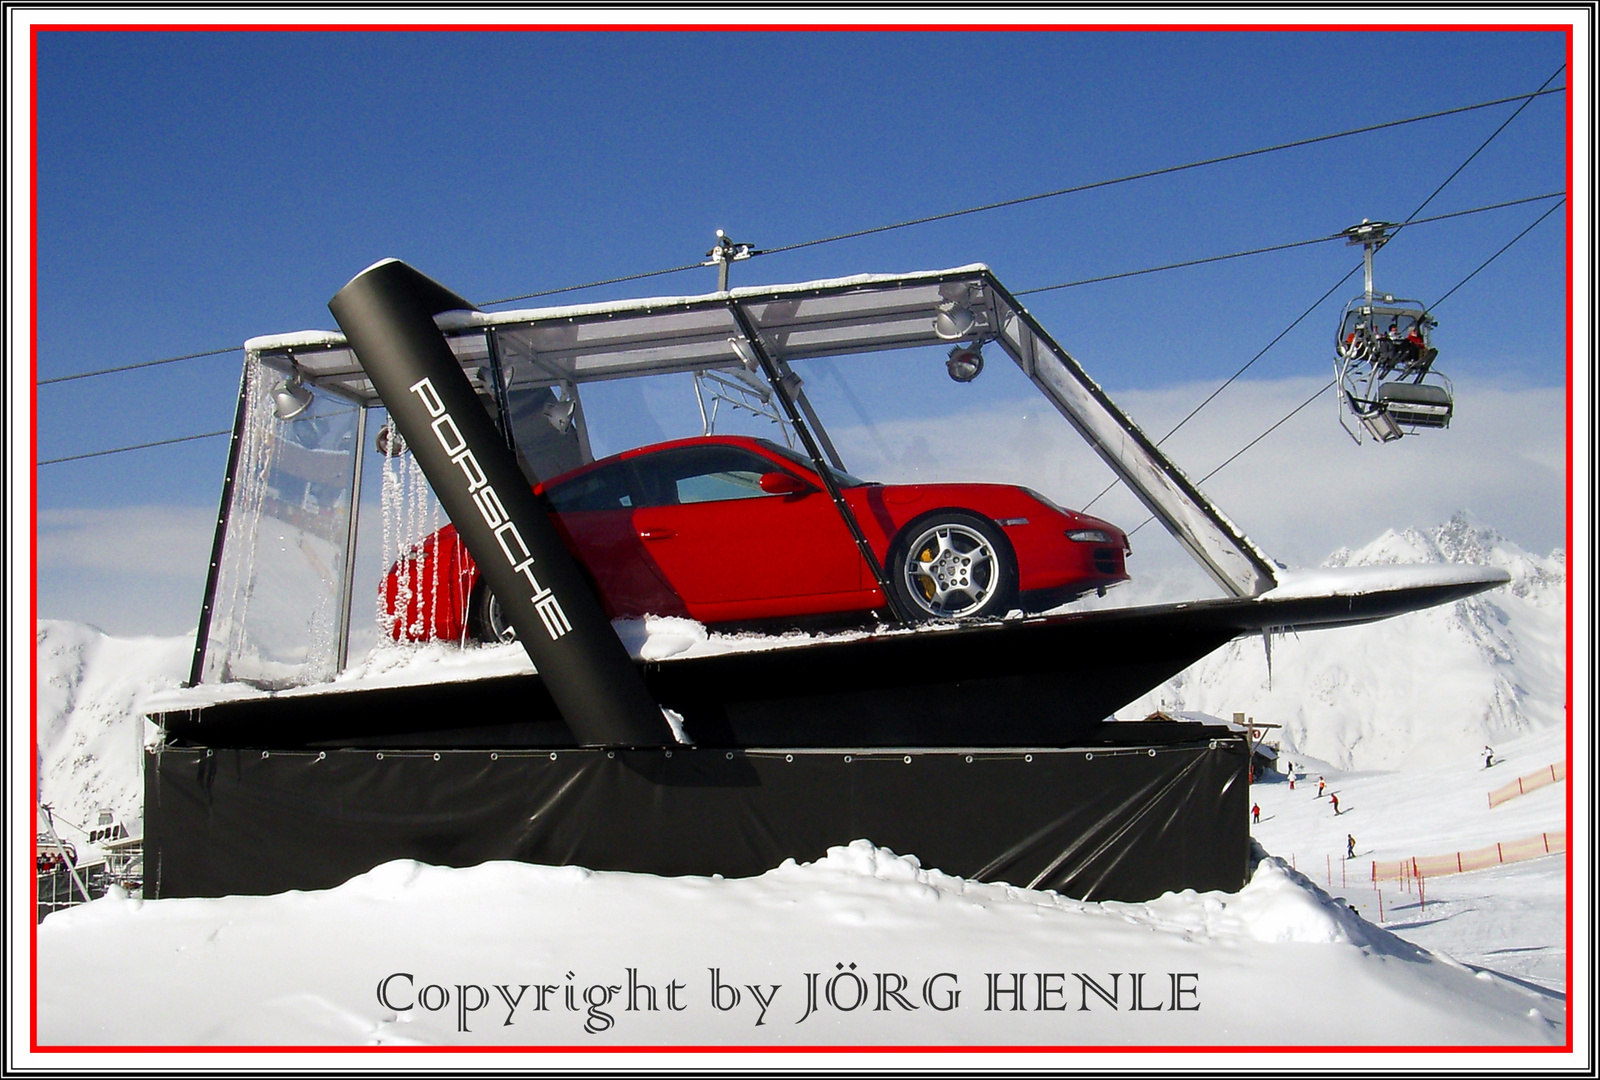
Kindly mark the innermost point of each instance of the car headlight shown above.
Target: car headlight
(1046, 500)
(1089, 536)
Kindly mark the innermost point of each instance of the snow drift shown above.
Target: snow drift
(861, 947)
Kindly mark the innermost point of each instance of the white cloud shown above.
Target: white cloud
(127, 570)
(159, 540)
(1302, 492)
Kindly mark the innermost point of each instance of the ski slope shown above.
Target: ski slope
(1511, 919)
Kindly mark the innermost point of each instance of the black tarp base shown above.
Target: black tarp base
(1124, 822)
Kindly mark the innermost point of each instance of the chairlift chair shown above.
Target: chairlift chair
(1385, 355)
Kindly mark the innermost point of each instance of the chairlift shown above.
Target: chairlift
(1385, 355)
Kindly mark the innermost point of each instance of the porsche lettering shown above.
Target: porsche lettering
(491, 509)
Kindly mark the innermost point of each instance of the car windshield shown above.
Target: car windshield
(840, 477)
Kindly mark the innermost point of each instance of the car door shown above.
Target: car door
(730, 549)
(595, 510)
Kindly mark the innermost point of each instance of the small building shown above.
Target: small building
(1263, 755)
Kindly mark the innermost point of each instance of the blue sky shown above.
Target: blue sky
(196, 189)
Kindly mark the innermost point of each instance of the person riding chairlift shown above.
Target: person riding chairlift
(1424, 353)
(1404, 349)
(1387, 354)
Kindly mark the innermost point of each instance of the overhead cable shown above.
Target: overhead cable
(1160, 172)
(1020, 200)
(140, 446)
(1525, 99)
(1501, 252)
(1274, 247)
(1019, 292)
(1515, 113)
(595, 284)
(1240, 452)
(135, 367)
(1291, 326)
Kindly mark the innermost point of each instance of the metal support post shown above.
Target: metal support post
(770, 369)
(197, 666)
(350, 539)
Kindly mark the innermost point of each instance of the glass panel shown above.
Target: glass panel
(275, 616)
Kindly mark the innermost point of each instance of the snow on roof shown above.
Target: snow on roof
(458, 320)
(298, 339)
(1362, 580)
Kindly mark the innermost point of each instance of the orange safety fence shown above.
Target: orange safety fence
(1459, 862)
(1532, 782)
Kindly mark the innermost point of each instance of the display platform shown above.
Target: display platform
(1044, 681)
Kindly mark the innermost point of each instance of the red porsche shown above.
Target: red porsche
(727, 528)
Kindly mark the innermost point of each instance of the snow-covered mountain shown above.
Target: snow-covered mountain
(1423, 688)
(89, 727)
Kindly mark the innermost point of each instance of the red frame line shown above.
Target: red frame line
(784, 28)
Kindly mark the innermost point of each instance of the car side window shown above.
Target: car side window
(601, 489)
(700, 474)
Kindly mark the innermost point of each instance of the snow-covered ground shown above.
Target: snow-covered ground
(860, 926)
(1510, 919)
(1280, 963)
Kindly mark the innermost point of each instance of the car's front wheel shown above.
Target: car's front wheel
(486, 619)
(953, 565)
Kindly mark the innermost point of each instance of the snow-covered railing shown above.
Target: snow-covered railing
(1459, 862)
(1532, 782)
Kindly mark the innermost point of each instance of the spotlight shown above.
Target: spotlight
(953, 321)
(390, 442)
(965, 363)
(292, 398)
(560, 413)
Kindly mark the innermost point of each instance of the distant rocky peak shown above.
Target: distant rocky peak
(1465, 539)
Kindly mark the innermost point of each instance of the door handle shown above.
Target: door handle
(656, 534)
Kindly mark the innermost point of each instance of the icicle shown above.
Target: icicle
(391, 499)
(413, 538)
(434, 562)
(410, 515)
(1266, 641)
(244, 518)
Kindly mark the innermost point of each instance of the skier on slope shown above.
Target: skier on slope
(1349, 845)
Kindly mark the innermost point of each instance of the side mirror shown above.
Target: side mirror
(782, 483)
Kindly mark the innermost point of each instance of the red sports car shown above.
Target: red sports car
(726, 528)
